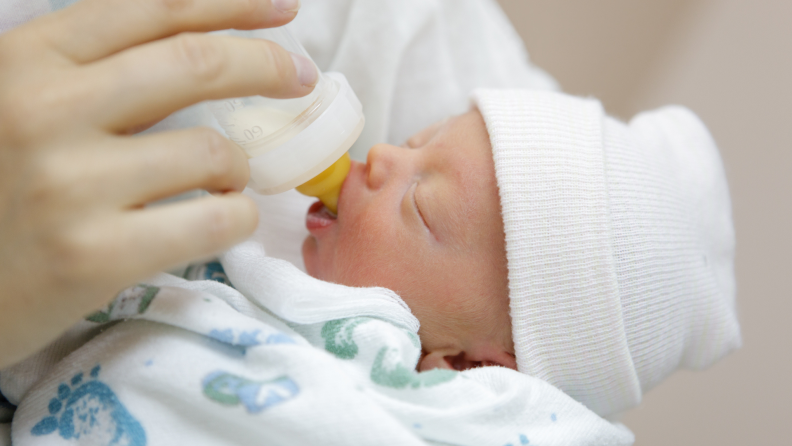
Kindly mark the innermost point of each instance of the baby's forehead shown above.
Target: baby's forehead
(463, 150)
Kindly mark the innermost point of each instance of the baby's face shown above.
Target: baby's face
(424, 221)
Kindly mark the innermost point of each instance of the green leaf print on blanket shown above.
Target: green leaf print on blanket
(130, 302)
(338, 337)
(388, 370)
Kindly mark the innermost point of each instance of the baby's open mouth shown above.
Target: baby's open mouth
(319, 217)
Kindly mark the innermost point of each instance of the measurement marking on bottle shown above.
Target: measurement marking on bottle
(253, 132)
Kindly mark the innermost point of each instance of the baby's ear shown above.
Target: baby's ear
(460, 360)
(440, 359)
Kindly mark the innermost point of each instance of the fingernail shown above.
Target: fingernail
(306, 70)
(286, 5)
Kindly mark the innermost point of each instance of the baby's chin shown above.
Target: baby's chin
(310, 256)
(317, 265)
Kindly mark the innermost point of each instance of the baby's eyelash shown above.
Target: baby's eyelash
(418, 208)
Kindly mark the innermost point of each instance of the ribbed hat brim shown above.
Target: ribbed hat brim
(566, 259)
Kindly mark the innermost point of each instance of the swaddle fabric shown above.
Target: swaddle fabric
(299, 361)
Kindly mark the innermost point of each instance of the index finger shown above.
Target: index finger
(92, 29)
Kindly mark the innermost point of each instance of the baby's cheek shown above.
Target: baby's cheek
(373, 262)
(363, 265)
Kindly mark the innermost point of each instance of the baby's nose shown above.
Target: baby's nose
(380, 163)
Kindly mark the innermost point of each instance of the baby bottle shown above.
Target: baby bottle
(295, 143)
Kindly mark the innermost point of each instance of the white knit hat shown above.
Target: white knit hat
(619, 241)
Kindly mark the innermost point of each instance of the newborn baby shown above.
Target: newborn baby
(616, 266)
(424, 220)
(587, 258)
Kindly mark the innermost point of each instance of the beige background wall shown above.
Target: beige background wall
(730, 61)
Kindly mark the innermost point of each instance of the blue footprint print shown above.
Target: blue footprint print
(90, 411)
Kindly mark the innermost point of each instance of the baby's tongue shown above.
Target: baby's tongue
(319, 216)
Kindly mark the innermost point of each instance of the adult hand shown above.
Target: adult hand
(74, 86)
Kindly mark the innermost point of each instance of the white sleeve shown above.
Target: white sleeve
(415, 62)
(16, 12)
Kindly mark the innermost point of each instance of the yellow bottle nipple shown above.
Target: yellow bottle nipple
(327, 185)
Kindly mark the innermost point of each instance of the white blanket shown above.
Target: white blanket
(291, 360)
